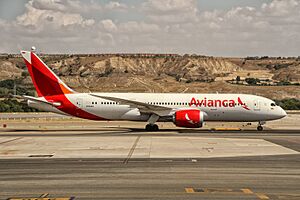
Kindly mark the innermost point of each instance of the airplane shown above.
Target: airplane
(184, 110)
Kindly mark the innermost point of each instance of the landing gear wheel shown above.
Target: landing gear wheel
(151, 127)
(148, 127)
(260, 128)
(155, 127)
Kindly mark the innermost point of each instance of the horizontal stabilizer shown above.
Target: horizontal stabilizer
(37, 100)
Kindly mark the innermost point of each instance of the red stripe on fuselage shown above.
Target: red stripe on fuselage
(69, 108)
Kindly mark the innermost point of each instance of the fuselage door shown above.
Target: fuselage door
(79, 103)
(256, 105)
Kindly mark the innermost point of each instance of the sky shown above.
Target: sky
(236, 28)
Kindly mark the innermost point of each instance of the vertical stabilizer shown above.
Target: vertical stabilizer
(44, 80)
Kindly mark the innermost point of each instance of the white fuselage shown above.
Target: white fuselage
(216, 107)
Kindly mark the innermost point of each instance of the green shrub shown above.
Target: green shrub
(281, 83)
(252, 81)
(289, 104)
(12, 105)
(7, 87)
(9, 84)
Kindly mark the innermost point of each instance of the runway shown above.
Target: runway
(64, 160)
(272, 177)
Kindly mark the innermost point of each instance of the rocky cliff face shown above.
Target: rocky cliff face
(9, 69)
(115, 73)
(290, 73)
(186, 69)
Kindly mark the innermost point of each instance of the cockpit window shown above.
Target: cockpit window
(273, 104)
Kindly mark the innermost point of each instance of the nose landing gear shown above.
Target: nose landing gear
(260, 127)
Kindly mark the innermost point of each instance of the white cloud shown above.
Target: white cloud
(169, 6)
(109, 25)
(65, 5)
(281, 8)
(56, 5)
(35, 18)
(114, 5)
(155, 26)
(138, 27)
(171, 11)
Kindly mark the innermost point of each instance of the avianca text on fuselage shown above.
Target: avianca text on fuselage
(216, 103)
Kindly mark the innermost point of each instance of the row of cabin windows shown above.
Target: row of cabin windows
(154, 103)
(168, 103)
(107, 103)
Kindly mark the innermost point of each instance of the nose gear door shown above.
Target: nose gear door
(79, 103)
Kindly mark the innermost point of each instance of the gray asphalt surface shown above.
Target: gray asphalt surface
(257, 177)
(273, 177)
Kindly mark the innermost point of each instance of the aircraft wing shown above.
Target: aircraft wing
(143, 107)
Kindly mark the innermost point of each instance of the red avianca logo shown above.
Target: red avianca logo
(217, 103)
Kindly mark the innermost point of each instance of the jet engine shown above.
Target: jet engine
(188, 118)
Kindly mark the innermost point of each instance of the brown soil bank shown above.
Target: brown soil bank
(164, 73)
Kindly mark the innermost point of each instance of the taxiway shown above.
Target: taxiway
(68, 158)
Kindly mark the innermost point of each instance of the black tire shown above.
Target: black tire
(155, 127)
(148, 127)
(260, 128)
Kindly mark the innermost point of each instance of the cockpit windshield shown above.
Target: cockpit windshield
(273, 104)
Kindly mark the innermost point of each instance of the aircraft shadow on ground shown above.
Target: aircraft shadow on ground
(130, 130)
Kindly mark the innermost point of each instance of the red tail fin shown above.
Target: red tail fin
(44, 80)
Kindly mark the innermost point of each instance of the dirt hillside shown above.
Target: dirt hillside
(163, 73)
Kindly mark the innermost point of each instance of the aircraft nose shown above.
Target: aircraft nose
(282, 113)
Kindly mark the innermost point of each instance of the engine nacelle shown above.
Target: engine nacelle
(188, 118)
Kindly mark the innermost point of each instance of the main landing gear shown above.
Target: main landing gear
(152, 126)
(260, 127)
